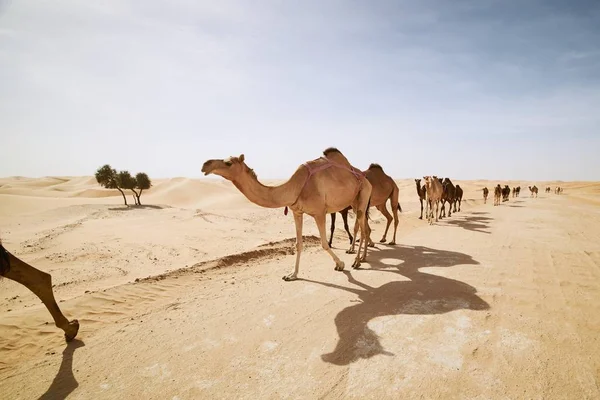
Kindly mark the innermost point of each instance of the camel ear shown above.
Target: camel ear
(241, 158)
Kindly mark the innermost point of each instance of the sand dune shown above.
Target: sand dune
(183, 298)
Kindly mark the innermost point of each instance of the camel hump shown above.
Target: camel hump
(375, 166)
(335, 155)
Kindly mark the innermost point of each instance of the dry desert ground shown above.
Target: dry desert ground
(183, 298)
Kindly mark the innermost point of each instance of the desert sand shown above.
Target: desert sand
(183, 298)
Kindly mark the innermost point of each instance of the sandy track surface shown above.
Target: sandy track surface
(495, 302)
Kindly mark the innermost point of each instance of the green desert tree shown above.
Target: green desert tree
(107, 177)
(127, 182)
(142, 182)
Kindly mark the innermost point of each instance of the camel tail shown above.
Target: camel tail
(399, 207)
(368, 206)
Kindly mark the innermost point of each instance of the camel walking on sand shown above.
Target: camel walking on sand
(485, 194)
(422, 192)
(448, 195)
(497, 195)
(325, 185)
(518, 190)
(459, 195)
(434, 192)
(40, 283)
(384, 189)
(533, 190)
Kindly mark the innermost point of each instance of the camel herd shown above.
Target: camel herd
(326, 185)
(438, 191)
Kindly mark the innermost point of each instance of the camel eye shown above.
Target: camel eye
(228, 163)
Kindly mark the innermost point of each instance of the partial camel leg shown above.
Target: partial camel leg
(345, 219)
(421, 200)
(40, 283)
(383, 209)
(298, 220)
(396, 221)
(320, 220)
(332, 228)
(437, 212)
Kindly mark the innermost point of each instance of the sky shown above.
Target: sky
(470, 89)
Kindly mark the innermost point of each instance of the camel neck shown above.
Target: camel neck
(269, 196)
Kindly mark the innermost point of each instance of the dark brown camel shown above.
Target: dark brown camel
(485, 194)
(422, 192)
(518, 190)
(459, 195)
(505, 193)
(384, 189)
(448, 195)
(40, 283)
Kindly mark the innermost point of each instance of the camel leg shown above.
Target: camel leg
(383, 209)
(443, 209)
(332, 228)
(298, 220)
(40, 283)
(356, 227)
(421, 200)
(345, 219)
(459, 202)
(437, 212)
(396, 221)
(320, 220)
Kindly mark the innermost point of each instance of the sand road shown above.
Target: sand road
(495, 302)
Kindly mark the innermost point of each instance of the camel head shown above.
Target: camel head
(229, 168)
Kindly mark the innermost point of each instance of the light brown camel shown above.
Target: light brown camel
(533, 190)
(324, 185)
(434, 195)
(422, 192)
(40, 283)
(497, 195)
(485, 194)
(384, 189)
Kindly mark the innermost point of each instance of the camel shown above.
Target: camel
(384, 188)
(327, 184)
(533, 190)
(448, 195)
(434, 191)
(459, 195)
(485, 194)
(548, 189)
(422, 192)
(497, 194)
(40, 283)
(558, 190)
(505, 193)
(518, 190)
(514, 192)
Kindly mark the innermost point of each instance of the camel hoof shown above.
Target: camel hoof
(290, 277)
(340, 266)
(420, 217)
(72, 330)
(350, 251)
(382, 240)
(356, 264)
(392, 243)
(372, 245)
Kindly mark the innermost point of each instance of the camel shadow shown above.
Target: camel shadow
(477, 223)
(64, 382)
(424, 294)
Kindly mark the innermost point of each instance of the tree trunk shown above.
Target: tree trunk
(136, 197)
(123, 194)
